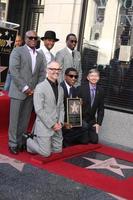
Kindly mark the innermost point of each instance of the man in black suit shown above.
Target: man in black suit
(71, 135)
(93, 104)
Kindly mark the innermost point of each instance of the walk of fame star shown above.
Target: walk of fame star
(109, 164)
(9, 42)
(13, 162)
(75, 107)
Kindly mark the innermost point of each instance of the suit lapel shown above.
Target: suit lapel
(65, 89)
(28, 57)
(37, 61)
(69, 56)
(50, 91)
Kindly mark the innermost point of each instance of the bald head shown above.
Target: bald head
(31, 39)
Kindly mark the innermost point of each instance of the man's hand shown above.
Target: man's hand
(28, 92)
(57, 127)
(67, 125)
(97, 126)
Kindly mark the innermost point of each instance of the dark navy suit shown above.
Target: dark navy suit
(74, 135)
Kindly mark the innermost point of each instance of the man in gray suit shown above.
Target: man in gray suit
(27, 69)
(70, 57)
(49, 108)
(49, 40)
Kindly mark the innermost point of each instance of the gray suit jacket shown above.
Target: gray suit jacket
(47, 111)
(65, 60)
(44, 57)
(20, 66)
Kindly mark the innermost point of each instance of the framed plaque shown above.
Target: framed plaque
(74, 112)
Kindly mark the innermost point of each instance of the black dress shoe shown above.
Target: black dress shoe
(13, 150)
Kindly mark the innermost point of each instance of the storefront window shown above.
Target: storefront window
(107, 45)
(3, 9)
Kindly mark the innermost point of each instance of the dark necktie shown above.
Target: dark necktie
(92, 95)
(73, 54)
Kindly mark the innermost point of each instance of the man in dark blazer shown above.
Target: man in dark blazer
(27, 69)
(93, 104)
(71, 135)
(70, 57)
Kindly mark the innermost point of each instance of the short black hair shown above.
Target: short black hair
(94, 70)
(70, 34)
(70, 69)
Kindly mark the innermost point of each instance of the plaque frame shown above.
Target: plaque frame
(74, 112)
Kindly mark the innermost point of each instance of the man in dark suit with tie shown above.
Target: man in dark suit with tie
(70, 57)
(93, 104)
(71, 135)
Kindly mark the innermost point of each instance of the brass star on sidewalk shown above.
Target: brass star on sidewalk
(13, 162)
(110, 164)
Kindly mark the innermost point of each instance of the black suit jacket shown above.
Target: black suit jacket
(95, 113)
(66, 95)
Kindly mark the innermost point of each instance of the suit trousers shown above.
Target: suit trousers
(92, 135)
(73, 136)
(20, 112)
(45, 145)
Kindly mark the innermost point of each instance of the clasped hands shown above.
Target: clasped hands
(57, 127)
(29, 92)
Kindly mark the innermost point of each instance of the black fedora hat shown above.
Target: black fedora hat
(50, 35)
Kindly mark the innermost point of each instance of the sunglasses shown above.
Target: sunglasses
(31, 38)
(73, 76)
(73, 41)
(54, 69)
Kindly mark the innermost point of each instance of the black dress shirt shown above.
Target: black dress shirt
(54, 86)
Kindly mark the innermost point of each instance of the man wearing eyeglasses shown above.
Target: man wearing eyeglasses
(92, 96)
(27, 69)
(70, 57)
(49, 108)
(71, 135)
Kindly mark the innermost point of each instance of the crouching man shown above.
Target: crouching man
(49, 108)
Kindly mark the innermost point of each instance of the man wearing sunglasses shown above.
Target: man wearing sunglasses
(27, 69)
(70, 57)
(49, 108)
(71, 135)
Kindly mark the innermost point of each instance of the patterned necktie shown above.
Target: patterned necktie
(92, 95)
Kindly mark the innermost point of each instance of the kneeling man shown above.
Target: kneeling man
(49, 108)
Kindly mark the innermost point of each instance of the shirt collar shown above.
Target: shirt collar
(70, 51)
(45, 50)
(92, 86)
(30, 49)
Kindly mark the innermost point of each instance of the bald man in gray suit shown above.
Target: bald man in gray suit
(27, 69)
(49, 108)
(69, 57)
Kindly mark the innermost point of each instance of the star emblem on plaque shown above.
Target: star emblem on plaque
(7, 39)
(74, 112)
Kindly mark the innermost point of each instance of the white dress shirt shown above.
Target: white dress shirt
(46, 53)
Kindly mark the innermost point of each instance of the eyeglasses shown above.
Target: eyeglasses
(55, 69)
(31, 38)
(73, 76)
(73, 41)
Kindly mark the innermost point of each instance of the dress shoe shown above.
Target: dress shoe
(13, 150)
